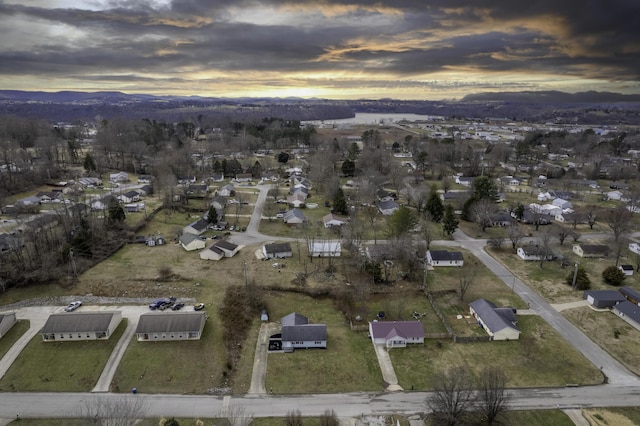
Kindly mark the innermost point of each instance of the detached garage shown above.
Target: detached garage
(7, 320)
(73, 326)
(162, 326)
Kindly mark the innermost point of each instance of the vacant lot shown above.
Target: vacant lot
(540, 358)
(183, 367)
(60, 366)
(610, 332)
(623, 416)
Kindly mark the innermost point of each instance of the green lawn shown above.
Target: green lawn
(348, 364)
(540, 358)
(183, 367)
(60, 366)
(7, 341)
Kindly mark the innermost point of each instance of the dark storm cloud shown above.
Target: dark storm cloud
(407, 38)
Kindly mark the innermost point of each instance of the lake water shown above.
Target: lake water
(377, 118)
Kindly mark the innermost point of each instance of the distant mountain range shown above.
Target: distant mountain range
(601, 108)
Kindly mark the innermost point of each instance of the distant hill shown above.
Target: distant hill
(552, 97)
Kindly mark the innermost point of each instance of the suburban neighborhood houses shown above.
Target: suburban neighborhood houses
(325, 267)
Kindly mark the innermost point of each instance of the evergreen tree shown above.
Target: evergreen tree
(402, 221)
(613, 276)
(348, 168)
(89, 163)
(212, 215)
(484, 187)
(340, 202)
(434, 206)
(115, 212)
(582, 279)
(449, 220)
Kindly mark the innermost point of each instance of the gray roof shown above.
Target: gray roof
(78, 322)
(444, 255)
(294, 318)
(277, 248)
(387, 205)
(167, 322)
(390, 329)
(605, 295)
(630, 293)
(226, 245)
(293, 213)
(199, 225)
(494, 318)
(594, 248)
(630, 310)
(188, 238)
(305, 332)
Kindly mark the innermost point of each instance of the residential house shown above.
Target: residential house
(277, 250)
(227, 247)
(196, 228)
(333, 220)
(219, 202)
(562, 203)
(463, 180)
(216, 177)
(499, 323)
(396, 334)
(444, 258)
(500, 219)
(129, 197)
(629, 312)
(531, 217)
(7, 320)
(134, 207)
(211, 253)
(383, 195)
(603, 298)
(630, 294)
(191, 242)
(227, 191)
(172, 325)
(198, 190)
(387, 208)
(591, 250)
(145, 190)
(534, 252)
(297, 200)
(294, 217)
(69, 326)
(380, 252)
(49, 197)
(635, 248)
(325, 248)
(626, 269)
(618, 185)
(614, 195)
(145, 178)
(577, 218)
(297, 333)
(119, 177)
(244, 177)
(186, 180)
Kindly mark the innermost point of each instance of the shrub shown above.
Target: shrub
(582, 279)
(613, 276)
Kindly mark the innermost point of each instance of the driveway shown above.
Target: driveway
(386, 367)
(260, 359)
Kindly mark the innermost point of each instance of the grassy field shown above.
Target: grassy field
(540, 358)
(602, 327)
(348, 364)
(60, 366)
(620, 416)
(7, 341)
(183, 367)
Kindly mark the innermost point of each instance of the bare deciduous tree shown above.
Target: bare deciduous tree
(466, 278)
(492, 398)
(619, 220)
(293, 418)
(453, 396)
(237, 416)
(515, 234)
(122, 410)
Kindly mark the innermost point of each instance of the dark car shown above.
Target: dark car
(177, 306)
(157, 304)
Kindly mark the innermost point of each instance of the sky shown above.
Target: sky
(338, 49)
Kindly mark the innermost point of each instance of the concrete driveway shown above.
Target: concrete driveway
(260, 359)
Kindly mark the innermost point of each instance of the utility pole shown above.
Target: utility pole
(72, 265)
(244, 268)
(575, 276)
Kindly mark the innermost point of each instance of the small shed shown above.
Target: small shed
(74, 326)
(626, 269)
(172, 325)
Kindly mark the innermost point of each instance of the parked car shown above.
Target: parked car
(231, 228)
(73, 306)
(279, 215)
(177, 306)
(198, 306)
(157, 304)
